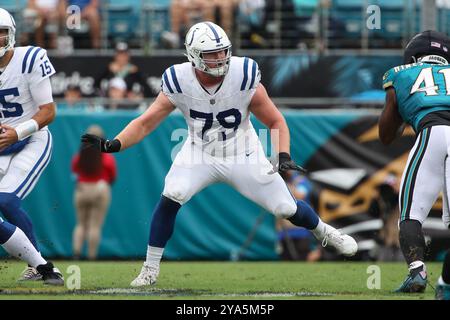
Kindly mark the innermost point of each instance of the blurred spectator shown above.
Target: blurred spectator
(72, 98)
(252, 12)
(89, 13)
(43, 17)
(385, 207)
(297, 243)
(95, 172)
(182, 14)
(117, 93)
(307, 20)
(225, 8)
(119, 97)
(251, 18)
(121, 67)
(185, 13)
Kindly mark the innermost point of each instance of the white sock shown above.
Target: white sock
(154, 255)
(320, 231)
(20, 246)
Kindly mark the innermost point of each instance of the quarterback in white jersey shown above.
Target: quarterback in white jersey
(216, 94)
(26, 108)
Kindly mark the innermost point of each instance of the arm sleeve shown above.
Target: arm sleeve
(170, 85)
(257, 74)
(251, 76)
(389, 79)
(42, 92)
(39, 67)
(39, 70)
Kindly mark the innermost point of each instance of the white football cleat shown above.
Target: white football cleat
(343, 243)
(147, 277)
(30, 274)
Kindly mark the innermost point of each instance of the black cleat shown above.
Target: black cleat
(50, 274)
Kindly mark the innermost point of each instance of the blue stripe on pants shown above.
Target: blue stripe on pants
(24, 194)
(36, 166)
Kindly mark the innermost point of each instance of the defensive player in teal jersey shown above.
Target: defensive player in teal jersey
(418, 94)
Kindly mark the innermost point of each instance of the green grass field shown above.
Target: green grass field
(218, 280)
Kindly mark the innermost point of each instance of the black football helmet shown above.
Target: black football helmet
(427, 43)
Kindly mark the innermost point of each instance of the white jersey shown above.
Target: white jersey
(28, 66)
(218, 122)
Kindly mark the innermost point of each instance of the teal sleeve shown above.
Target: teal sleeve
(389, 79)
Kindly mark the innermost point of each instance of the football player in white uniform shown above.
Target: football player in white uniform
(26, 108)
(216, 94)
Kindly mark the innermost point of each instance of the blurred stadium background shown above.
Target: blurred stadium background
(321, 64)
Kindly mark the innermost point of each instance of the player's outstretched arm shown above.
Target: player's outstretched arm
(137, 129)
(143, 125)
(390, 123)
(266, 112)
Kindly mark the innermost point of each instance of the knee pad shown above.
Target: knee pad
(285, 210)
(177, 191)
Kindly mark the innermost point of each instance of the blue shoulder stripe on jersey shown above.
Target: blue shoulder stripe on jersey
(175, 80)
(30, 68)
(214, 31)
(253, 74)
(166, 81)
(244, 82)
(24, 62)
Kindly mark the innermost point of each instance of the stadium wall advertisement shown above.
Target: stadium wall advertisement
(283, 76)
(345, 159)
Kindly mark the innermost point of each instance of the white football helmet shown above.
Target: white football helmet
(207, 37)
(7, 22)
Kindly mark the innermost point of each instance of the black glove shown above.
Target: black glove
(285, 163)
(102, 144)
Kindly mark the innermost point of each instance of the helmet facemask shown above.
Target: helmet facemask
(216, 67)
(213, 67)
(8, 40)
